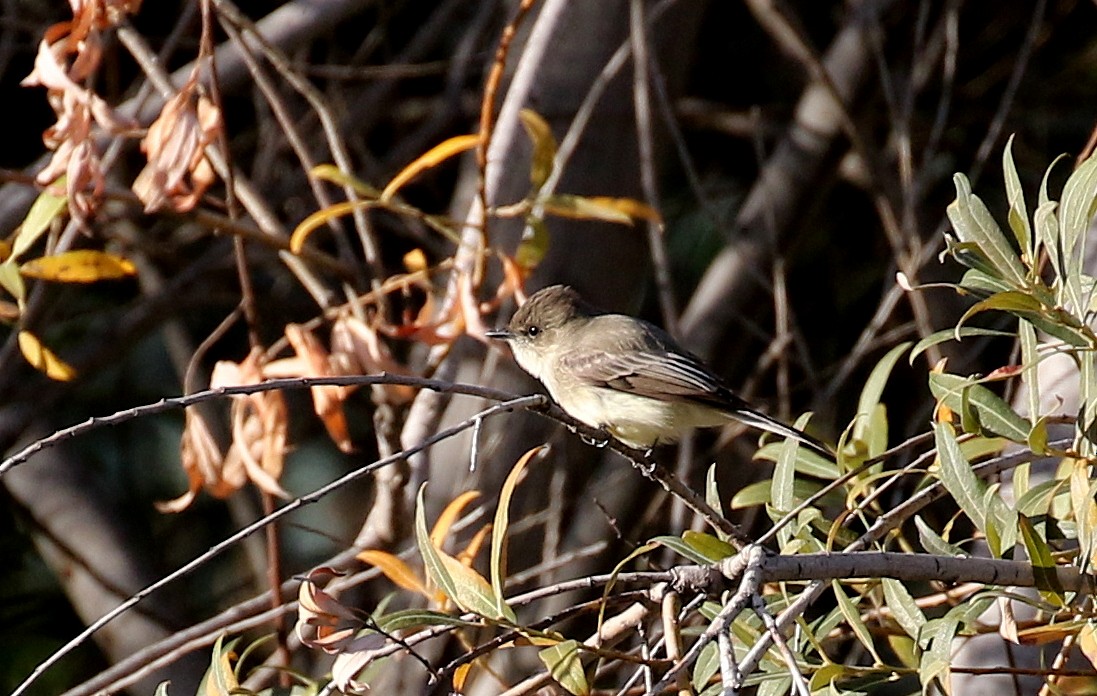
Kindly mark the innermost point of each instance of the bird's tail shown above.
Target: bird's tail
(757, 419)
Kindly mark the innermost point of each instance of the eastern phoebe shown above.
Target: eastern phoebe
(623, 374)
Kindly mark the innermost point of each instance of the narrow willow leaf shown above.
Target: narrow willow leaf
(563, 663)
(79, 266)
(432, 561)
(957, 477)
(943, 335)
(980, 284)
(501, 525)
(42, 213)
(758, 493)
(973, 223)
(712, 549)
(1037, 500)
(937, 659)
(449, 515)
(428, 160)
(43, 359)
(335, 175)
(1018, 213)
(220, 680)
(418, 618)
(1030, 358)
(395, 569)
(583, 208)
(679, 546)
(853, 617)
(933, 542)
(993, 413)
(1043, 562)
(544, 147)
(1075, 212)
(706, 666)
(873, 391)
(903, 609)
(12, 281)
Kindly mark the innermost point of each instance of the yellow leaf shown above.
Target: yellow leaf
(42, 213)
(619, 210)
(431, 158)
(320, 217)
(415, 261)
(449, 516)
(544, 147)
(80, 266)
(460, 676)
(335, 175)
(396, 570)
(43, 359)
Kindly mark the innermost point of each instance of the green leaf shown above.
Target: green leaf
(1075, 212)
(1030, 359)
(681, 547)
(933, 542)
(808, 462)
(957, 477)
(992, 412)
(853, 618)
(758, 493)
(417, 618)
(973, 223)
(1018, 214)
(873, 391)
(12, 281)
(1043, 562)
(957, 334)
(937, 659)
(42, 213)
(903, 609)
(706, 666)
(563, 663)
(981, 284)
(712, 549)
(500, 527)
(463, 585)
(1036, 501)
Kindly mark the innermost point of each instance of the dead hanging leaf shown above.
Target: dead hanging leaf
(368, 354)
(544, 147)
(428, 160)
(607, 209)
(201, 458)
(43, 359)
(80, 266)
(312, 360)
(322, 622)
(69, 53)
(178, 171)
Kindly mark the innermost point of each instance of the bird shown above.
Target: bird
(625, 375)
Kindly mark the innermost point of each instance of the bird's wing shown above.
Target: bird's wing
(664, 375)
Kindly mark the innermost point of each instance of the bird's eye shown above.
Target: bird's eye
(533, 331)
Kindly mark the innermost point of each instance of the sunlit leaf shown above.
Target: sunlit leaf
(994, 415)
(933, 542)
(79, 266)
(395, 569)
(563, 663)
(873, 392)
(853, 619)
(418, 618)
(428, 160)
(1043, 562)
(332, 173)
(320, 218)
(903, 609)
(973, 223)
(711, 548)
(533, 246)
(449, 515)
(501, 525)
(1018, 213)
(43, 359)
(619, 210)
(544, 147)
(220, 680)
(460, 676)
(43, 211)
(1075, 212)
(12, 281)
(943, 335)
(1087, 642)
(956, 475)
(706, 667)
(937, 659)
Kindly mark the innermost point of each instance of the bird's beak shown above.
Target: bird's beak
(500, 334)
